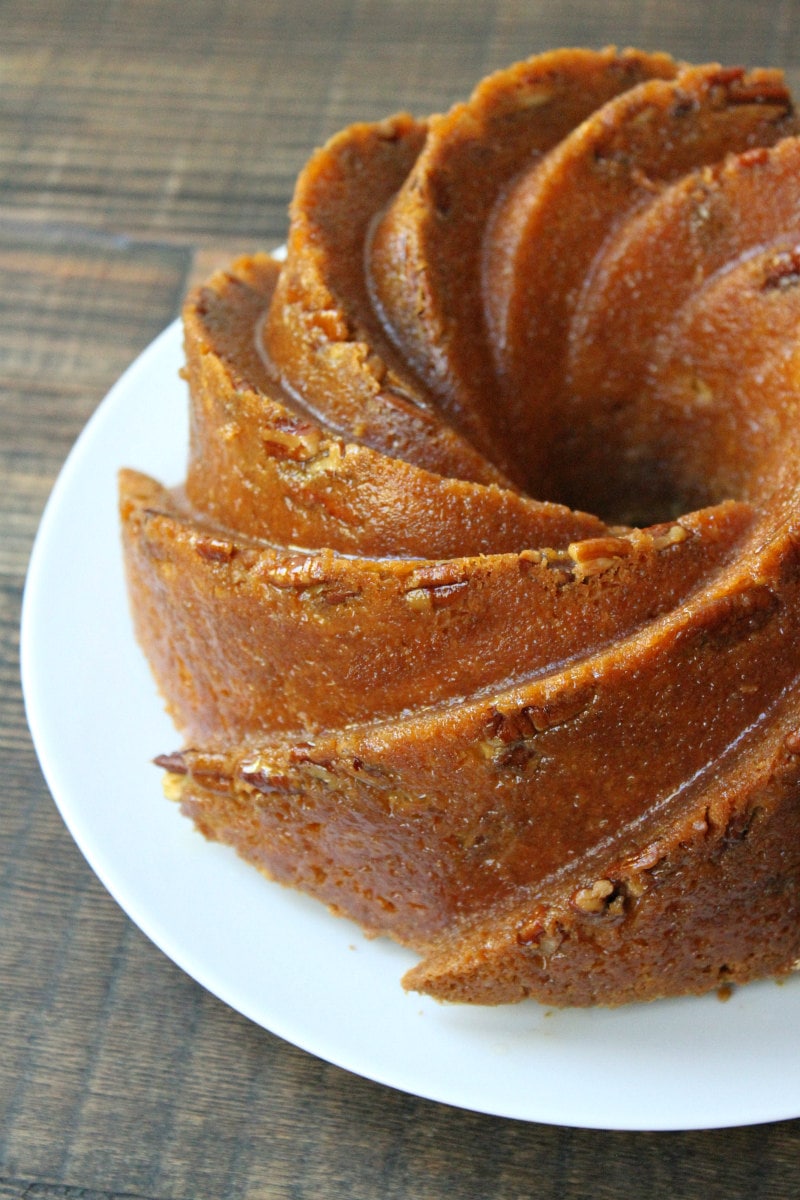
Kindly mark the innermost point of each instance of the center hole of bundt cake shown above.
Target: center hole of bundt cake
(706, 412)
(630, 468)
(687, 447)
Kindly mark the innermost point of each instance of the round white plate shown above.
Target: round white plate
(278, 957)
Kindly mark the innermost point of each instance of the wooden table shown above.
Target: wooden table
(141, 143)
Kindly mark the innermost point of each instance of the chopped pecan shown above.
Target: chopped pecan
(435, 586)
(214, 549)
(206, 769)
(594, 556)
(595, 898)
(783, 272)
(531, 719)
(257, 774)
(175, 763)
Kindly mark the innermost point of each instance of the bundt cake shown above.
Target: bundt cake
(479, 610)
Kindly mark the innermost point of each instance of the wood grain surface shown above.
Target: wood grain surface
(141, 143)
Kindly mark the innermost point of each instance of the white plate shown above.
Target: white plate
(278, 957)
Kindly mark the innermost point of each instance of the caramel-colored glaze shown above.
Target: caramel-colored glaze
(550, 739)
(471, 159)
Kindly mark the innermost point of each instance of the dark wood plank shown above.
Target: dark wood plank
(140, 145)
(75, 309)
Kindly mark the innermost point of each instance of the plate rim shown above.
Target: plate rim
(147, 363)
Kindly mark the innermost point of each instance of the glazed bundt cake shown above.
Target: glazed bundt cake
(478, 611)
